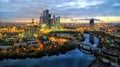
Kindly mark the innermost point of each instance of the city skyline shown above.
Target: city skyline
(19, 10)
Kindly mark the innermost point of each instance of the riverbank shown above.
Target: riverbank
(37, 53)
(72, 58)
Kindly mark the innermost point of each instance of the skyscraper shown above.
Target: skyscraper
(49, 21)
(91, 22)
(46, 20)
(54, 20)
(31, 29)
(41, 19)
(58, 21)
(92, 28)
(46, 16)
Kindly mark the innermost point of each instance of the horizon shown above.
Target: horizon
(107, 19)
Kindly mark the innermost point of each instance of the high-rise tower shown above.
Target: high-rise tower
(54, 20)
(91, 22)
(46, 16)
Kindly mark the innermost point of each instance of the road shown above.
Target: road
(40, 43)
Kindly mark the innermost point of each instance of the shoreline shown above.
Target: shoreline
(37, 54)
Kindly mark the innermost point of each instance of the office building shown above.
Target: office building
(46, 16)
(30, 29)
(54, 20)
(58, 22)
(41, 21)
(91, 22)
(48, 21)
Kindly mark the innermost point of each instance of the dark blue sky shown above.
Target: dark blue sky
(27, 9)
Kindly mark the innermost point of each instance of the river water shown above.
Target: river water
(73, 58)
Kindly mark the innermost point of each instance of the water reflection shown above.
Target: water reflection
(87, 37)
(73, 58)
(87, 40)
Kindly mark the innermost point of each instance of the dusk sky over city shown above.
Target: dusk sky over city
(27, 9)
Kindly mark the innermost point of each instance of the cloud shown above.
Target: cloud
(116, 4)
(20, 9)
(80, 3)
(4, 0)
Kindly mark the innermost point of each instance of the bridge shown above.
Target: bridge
(90, 48)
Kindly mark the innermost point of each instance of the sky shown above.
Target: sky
(13, 10)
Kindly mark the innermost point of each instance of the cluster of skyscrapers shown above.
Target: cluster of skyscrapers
(46, 20)
(49, 20)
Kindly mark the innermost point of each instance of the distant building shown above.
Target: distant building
(46, 16)
(54, 20)
(41, 19)
(0, 21)
(20, 44)
(31, 29)
(32, 44)
(91, 22)
(5, 47)
(48, 21)
(58, 21)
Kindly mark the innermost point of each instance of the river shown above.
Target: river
(73, 58)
